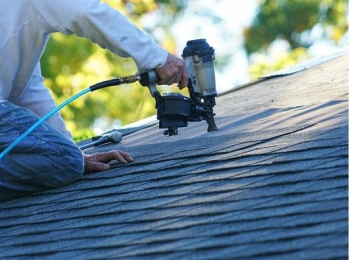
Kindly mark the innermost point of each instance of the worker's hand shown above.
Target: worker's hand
(99, 161)
(173, 71)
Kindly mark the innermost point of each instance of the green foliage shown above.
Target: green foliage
(83, 134)
(291, 21)
(263, 64)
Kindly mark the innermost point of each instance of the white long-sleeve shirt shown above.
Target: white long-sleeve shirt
(25, 26)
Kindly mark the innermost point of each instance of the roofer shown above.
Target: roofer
(48, 158)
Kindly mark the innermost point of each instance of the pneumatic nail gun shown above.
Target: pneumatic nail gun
(176, 110)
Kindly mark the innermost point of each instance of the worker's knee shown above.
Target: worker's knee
(69, 167)
(46, 166)
(44, 159)
(63, 167)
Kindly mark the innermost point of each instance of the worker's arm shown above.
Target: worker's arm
(104, 26)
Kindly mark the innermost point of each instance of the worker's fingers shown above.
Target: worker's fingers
(92, 166)
(184, 79)
(173, 71)
(98, 161)
(118, 155)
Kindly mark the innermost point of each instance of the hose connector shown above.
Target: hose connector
(129, 79)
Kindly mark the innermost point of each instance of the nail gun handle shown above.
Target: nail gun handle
(149, 78)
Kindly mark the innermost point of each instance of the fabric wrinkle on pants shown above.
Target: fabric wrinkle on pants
(43, 160)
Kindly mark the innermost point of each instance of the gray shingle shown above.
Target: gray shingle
(272, 183)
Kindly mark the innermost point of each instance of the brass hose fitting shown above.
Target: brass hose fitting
(129, 79)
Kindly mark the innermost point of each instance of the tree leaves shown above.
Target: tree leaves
(294, 22)
(288, 19)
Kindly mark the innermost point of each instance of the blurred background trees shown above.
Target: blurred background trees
(71, 64)
(297, 25)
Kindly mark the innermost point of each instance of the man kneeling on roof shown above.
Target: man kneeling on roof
(48, 158)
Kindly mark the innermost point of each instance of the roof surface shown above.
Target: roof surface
(271, 183)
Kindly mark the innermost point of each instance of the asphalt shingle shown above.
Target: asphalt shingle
(272, 183)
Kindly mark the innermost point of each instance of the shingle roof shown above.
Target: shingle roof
(271, 183)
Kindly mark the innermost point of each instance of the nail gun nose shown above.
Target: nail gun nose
(114, 137)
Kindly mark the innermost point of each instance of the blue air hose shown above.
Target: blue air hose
(108, 83)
